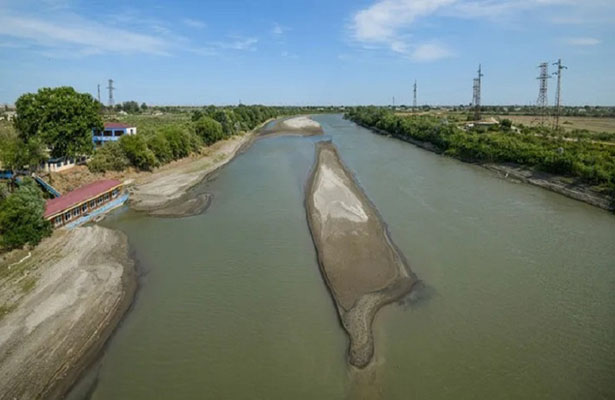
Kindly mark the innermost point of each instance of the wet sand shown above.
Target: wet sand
(299, 126)
(361, 265)
(65, 300)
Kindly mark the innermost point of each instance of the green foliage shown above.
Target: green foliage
(136, 150)
(590, 162)
(160, 146)
(17, 155)
(131, 107)
(21, 217)
(209, 130)
(110, 157)
(60, 118)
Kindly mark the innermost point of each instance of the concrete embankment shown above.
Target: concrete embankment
(361, 265)
(64, 302)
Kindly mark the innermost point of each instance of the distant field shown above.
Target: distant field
(568, 123)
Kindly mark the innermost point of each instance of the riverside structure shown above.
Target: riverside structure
(85, 203)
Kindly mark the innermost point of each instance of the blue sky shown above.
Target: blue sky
(308, 52)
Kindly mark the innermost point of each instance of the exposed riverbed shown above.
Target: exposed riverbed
(519, 299)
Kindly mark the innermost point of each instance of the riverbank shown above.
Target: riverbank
(62, 303)
(361, 265)
(164, 192)
(517, 173)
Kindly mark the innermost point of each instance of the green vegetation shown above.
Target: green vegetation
(21, 217)
(170, 133)
(60, 118)
(587, 161)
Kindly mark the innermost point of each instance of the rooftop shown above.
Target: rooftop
(79, 195)
(117, 125)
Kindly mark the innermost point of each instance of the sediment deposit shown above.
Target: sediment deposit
(361, 265)
(302, 125)
(64, 302)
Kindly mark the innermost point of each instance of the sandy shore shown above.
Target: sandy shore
(362, 267)
(302, 125)
(164, 192)
(64, 302)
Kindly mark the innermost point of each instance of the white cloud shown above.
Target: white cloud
(583, 41)
(239, 43)
(278, 29)
(382, 21)
(85, 36)
(393, 24)
(430, 52)
(194, 23)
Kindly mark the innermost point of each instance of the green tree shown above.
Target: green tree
(131, 107)
(17, 155)
(110, 157)
(21, 217)
(209, 130)
(60, 118)
(136, 150)
(143, 106)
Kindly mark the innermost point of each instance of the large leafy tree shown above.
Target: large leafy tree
(21, 217)
(16, 154)
(60, 118)
(209, 130)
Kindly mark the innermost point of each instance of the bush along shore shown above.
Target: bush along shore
(578, 168)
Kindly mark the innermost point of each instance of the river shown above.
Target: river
(518, 298)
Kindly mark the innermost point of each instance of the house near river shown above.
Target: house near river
(85, 203)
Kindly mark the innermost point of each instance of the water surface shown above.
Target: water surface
(519, 299)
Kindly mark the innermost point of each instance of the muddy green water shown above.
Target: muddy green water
(519, 300)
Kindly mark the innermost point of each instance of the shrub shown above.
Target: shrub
(209, 130)
(110, 157)
(21, 217)
(161, 148)
(136, 150)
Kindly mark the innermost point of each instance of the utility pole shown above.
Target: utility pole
(558, 92)
(476, 96)
(99, 93)
(111, 88)
(393, 101)
(543, 99)
(414, 96)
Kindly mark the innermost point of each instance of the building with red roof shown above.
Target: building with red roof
(83, 202)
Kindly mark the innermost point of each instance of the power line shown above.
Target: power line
(98, 92)
(111, 88)
(543, 98)
(476, 94)
(558, 92)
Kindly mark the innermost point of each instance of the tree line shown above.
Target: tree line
(587, 161)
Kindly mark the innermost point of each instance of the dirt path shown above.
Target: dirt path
(362, 267)
(64, 302)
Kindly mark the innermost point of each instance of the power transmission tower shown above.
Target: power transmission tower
(543, 99)
(558, 91)
(99, 93)
(111, 88)
(476, 96)
(414, 98)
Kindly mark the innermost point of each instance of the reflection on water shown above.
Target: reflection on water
(518, 298)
